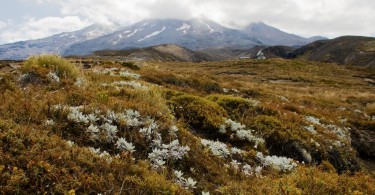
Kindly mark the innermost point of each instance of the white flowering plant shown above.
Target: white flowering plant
(238, 130)
(278, 163)
(187, 183)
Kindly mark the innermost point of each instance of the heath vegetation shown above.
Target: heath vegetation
(232, 127)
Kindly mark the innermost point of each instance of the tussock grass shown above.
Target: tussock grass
(62, 67)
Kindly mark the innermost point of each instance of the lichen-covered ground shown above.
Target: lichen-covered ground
(232, 127)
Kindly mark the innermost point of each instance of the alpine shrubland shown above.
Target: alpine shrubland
(232, 127)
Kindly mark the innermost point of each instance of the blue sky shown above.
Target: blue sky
(32, 19)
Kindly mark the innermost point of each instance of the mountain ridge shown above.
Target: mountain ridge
(193, 34)
(52, 44)
(345, 50)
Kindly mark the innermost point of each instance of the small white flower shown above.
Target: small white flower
(159, 162)
(129, 74)
(92, 129)
(70, 143)
(313, 120)
(247, 170)
(276, 162)
(76, 116)
(217, 148)
(122, 144)
(178, 174)
(49, 122)
(53, 76)
(111, 115)
(234, 126)
(222, 129)
(190, 183)
(95, 150)
(111, 131)
(106, 156)
(132, 84)
(78, 82)
(205, 193)
(310, 129)
(235, 164)
(258, 171)
(237, 151)
(92, 118)
(173, 130)
(283, 98)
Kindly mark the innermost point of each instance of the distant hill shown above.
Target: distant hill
(166, 52)
(347, 50)
(239, 53)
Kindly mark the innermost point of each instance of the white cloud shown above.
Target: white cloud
(303, 17)
(3, 25)
(39, 28)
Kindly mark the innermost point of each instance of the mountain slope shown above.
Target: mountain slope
(351, 50)
(54, 44)
(272, 36)
(165, 52)
(193, 34)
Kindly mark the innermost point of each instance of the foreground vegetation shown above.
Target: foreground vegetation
(232, 127)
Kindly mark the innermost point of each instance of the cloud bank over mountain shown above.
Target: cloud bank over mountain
(30, 19)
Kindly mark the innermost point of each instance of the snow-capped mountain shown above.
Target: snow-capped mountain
(53, 44)
(194, 34)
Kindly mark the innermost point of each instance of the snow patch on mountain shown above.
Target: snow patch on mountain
(119, 37)
(184, 28)
(208, 26)
(63, 35)
(134, 32)
(152, 34)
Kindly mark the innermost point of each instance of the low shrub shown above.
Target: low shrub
(235, 106)
(130, 65)
(198, 112)
(51, 63)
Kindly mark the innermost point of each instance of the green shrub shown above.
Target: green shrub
(7, 82)
(130, 65)
(235, 106)
(168, 94)
(265, 125)
(200, 113)
(62, 67)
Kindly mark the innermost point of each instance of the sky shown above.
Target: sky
(33, 19)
